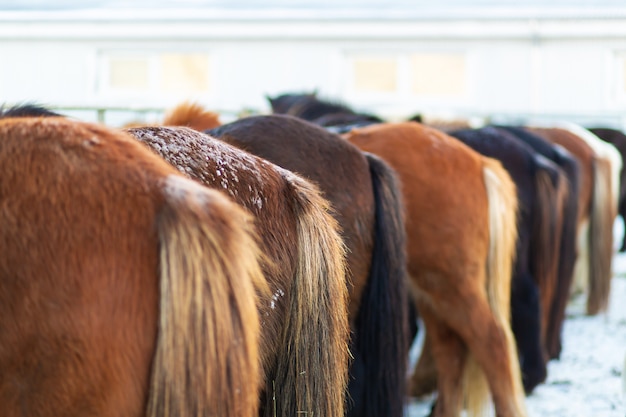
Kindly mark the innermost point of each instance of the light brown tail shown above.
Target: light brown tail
(313, 364)
(502, 197)
(191, 115)
(206, 360)
(600, 238)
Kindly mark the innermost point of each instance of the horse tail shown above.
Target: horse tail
(600, 238)
(312, 368)
(567, 251)
(206, 358)
(546, 232)
(502, 200)
(191, 115)
(382, 324)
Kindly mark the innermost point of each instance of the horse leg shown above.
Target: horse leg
(449, 354)
(489, 343)
(424, 379)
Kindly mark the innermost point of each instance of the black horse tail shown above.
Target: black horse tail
(381, 340)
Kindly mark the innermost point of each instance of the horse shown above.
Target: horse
(304, 344)
(569, 165)
(366, 202)
(541, 193)
(595, 221)
(318, 111)
(461, 233)
(125, 288)
(617, 139)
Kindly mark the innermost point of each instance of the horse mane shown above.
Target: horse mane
(314, 109)
(282, 103)
(26, 110)
(191, 115)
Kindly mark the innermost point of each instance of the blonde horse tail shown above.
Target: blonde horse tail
(312, 368)
(206, 358)
(600, 238)
(502, 197)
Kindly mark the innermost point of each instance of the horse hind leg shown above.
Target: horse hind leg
(424, 378)
(449, 353)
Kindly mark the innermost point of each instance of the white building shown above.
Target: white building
(396, 57)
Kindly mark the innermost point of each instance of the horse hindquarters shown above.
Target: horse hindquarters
(381, 341)
(206, 360)
(312, 369)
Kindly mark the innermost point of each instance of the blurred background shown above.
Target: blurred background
(504, 61)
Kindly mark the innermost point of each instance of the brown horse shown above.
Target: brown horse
(617, 139)
(366, 201)
(542, 190)
(461, 233)
(595, 219)
(304, 320)
(125, 288)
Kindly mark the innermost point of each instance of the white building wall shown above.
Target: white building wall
(512, 66)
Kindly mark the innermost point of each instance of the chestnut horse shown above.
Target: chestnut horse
(541, 191)
(125, 288)
(595, 220)
(461, 234)
(617, 139)
(366, 202)
(304, 321)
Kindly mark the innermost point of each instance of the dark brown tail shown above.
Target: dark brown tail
(547, 227)
(206, 360)
(381, 338)
(312, 366)
(567, 252)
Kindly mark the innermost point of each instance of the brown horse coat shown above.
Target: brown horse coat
(125, 289)
(461, 233)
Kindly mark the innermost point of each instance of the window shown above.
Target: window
(375, 74)
(408, 75)
(437, 74)
(157, 74)
(184, 72)
(129, 74)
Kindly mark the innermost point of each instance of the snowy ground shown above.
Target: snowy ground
(587, 380)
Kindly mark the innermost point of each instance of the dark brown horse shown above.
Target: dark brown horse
(569, 166)
(595, 220)
(461, 234)
(366, 203)
(125, 288)
(304, 319)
